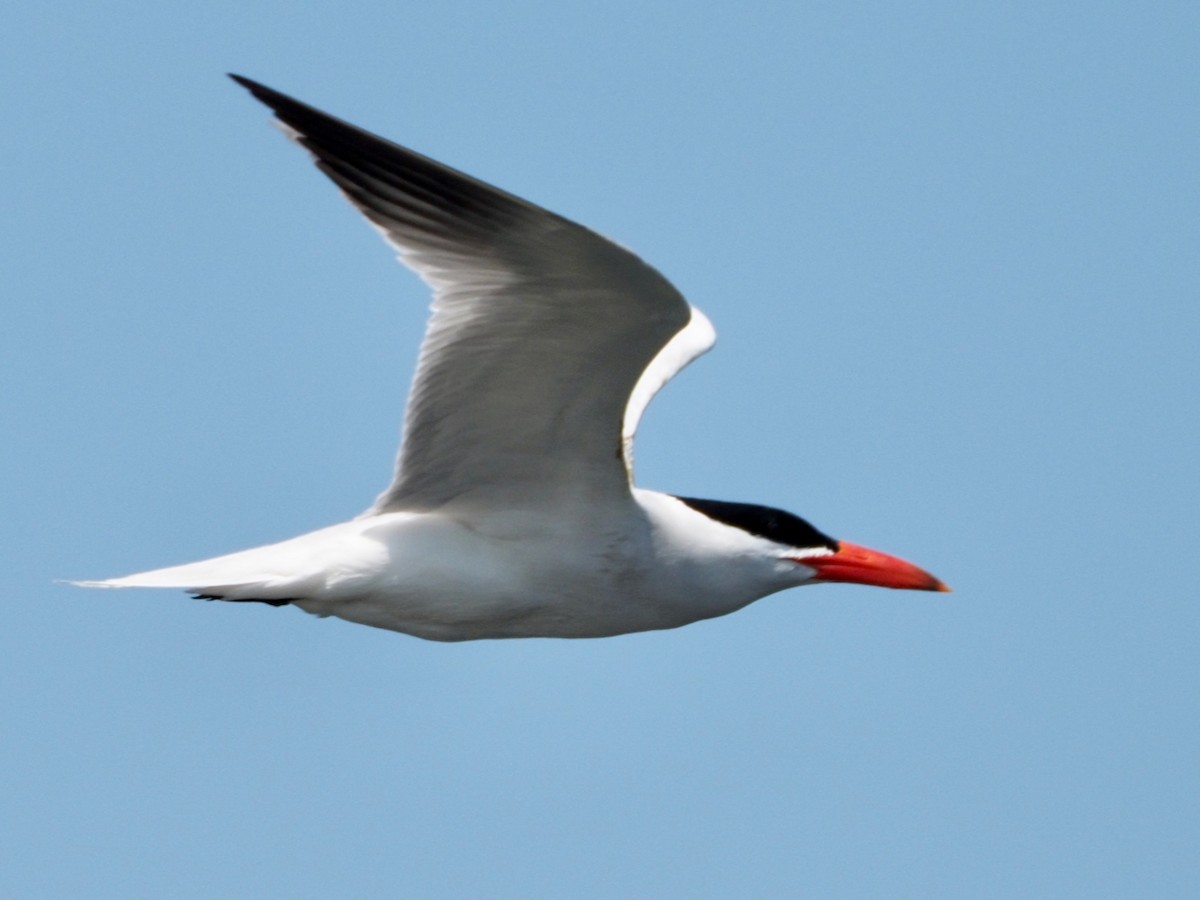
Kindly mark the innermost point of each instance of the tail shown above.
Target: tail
(206, 580)
(277, 574)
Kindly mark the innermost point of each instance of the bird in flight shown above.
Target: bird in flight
(512, 511)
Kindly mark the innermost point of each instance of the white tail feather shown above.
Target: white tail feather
(285, 570)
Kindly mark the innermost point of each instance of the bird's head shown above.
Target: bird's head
(810, 556)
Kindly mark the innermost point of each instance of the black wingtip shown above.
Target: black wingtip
(287, 109)
(260, 91)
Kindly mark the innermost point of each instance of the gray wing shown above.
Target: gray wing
(539, 333)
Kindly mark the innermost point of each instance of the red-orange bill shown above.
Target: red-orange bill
(862, 565)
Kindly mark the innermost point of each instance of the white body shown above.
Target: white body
(650, 564)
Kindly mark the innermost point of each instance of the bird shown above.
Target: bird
(513, 511)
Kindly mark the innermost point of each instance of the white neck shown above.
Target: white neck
(712, 567)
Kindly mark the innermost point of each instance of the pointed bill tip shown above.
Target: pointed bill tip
(855, 564)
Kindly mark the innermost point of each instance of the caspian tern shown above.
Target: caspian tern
(512, 512)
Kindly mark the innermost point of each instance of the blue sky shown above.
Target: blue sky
(951, 253)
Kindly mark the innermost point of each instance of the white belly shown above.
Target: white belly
(439, 579)
(589, 572)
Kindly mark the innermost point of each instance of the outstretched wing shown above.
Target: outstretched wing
(540, 330)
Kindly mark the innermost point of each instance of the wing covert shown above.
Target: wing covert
(540, 329)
